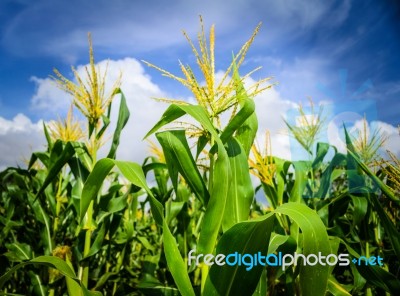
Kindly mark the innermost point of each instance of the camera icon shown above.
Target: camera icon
(327, 122)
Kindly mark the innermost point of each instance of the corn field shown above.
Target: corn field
(73, 223)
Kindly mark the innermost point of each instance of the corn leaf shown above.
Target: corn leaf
(249, 237)
(123, 117)
(241, 192)
(179, 159)
(301, 180)
(247, 131)
(49, 261)
(57, 161)
(375, 274)
(221, 176)
(237, 122)
(338, 159)
(322, 150)
(175, 263)
(335, 288)
(315, 240)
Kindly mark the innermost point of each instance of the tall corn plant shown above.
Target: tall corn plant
(227, 196)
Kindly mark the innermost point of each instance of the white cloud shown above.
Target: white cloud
(47, 96)
(393, 137)
(144, 111)
(138, 90)
(19, 137)
(271, 108)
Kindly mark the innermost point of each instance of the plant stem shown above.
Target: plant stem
(88, 235)
(58, 205)
(89, 216)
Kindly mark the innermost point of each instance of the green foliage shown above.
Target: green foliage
(73, 223)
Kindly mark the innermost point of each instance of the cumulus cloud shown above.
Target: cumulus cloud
(47, 96)
(271, 108)
(335, 133)
(392, 134)
(145, 112)
(138, 90)
(19, 137)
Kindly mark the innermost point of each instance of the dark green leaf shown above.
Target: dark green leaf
(123, 117)
(179, 159)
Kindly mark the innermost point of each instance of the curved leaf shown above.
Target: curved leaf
(249, 237)
(49, 261)
(315, 241)
(180, 159)
(123, 117)
(241, 192)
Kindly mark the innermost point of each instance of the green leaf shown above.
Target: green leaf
(261, 289)
(172, 113)
(249, 237)
(301, 171)
(356, 180)
(246, 133)
(385, 189)
(315, 239)
(93, 184)
(376, 275)
(18, 252)
(220, 179)
(202, 141)
(42, 217)
(327, 176)
(98, 242)
(277, 241)
(49, 261)
(48, 138)
(84, 156)
(390, 228)
(123, 117)
(175, 263)
(216, 206)
(172, 209)
(360, 204)
(335, 288)
(237, 122)
(241, 192)
(37, 285)
(161, 175)
(282, 167)
(179, 159)
(354, 172)
(132, 171)
(42, 156)
(106, 123)
(59, 160)
(322, 150)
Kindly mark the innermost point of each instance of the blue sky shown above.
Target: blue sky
(301, 43)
